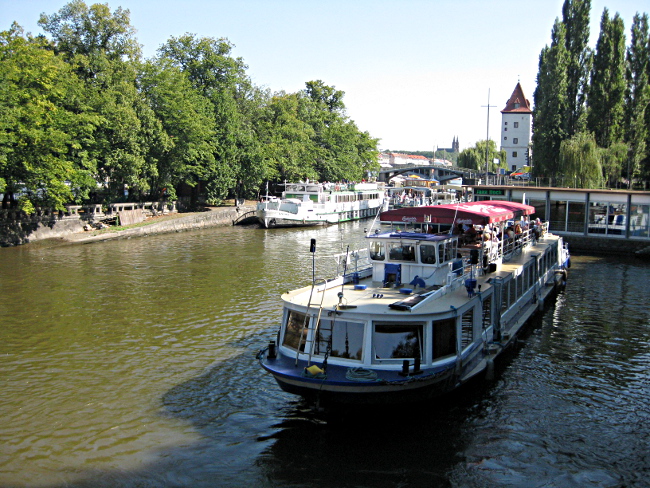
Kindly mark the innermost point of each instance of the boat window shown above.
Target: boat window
(444, 338)
(447, 250)
(296, 322)
(397, 341)
(377, 251)
(401, 252)
(467, 328)
(346, 339)
(428, 253)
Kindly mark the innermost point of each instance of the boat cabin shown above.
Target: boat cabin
(401, 257)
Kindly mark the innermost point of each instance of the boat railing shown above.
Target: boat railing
(352, 262)
(509, 247)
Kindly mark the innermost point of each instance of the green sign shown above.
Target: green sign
(486, 191)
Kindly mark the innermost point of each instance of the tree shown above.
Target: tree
(101, 48)
(341, 151)
(475, 157)
(580, 160)
(187, 124)
(43, 125)
(222, 80)
(89, 36)
(605, 116)
(613, 161)
(287, 139)
(551, 104)
(637, 96)
(575, 17)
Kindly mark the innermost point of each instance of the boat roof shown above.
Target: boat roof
(476, 213)
(420, 236)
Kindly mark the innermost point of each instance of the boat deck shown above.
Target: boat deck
(375, 299)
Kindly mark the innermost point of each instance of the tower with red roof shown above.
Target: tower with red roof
(516, 126)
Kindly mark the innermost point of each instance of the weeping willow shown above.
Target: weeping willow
(580, 158)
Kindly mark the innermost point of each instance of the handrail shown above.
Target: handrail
(304, 324)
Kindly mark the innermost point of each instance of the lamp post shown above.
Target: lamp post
(487, 138)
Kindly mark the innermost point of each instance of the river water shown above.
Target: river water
(131, 363)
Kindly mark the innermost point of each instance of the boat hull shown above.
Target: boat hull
(272, 222)
(390, 388)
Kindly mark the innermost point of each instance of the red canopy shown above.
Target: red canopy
(477, 213)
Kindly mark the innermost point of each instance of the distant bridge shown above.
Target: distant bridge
(439, 173)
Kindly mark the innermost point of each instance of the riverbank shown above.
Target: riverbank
(73, 231)
(211, 217)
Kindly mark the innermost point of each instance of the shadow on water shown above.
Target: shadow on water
(252, 434)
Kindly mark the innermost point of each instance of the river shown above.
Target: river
(131, 363)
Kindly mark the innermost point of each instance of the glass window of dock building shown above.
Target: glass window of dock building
(615, 214)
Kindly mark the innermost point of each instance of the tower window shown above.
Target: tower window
(505, 129)
(514, 154)
(516, 125)
(517, 105)
(515, 140)
(505, 138)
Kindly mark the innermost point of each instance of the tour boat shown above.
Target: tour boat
(312, 203)
(416, 315)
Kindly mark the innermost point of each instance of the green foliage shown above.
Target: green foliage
(580, 159)
(84, 118)
(612, 103)
(87, 35)
(307, 135)
(605, 117)
(477, 156)
(551, 104)
(575, 17)
(637, 97)
(614, 160)
(41, 126)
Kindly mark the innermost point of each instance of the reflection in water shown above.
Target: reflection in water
(131, 363)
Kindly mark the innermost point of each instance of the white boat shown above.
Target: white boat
(407, 319)
(308, 204)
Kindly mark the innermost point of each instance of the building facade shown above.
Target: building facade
(516, 129)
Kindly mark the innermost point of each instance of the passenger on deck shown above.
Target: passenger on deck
(538, 229)
(469, 236)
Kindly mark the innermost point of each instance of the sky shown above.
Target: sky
(416, 73)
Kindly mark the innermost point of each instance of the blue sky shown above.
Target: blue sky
(416, 73)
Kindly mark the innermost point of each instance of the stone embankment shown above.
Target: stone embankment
(72, 231)
(596, 244)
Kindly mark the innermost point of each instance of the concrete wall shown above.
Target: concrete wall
(17, 233)
(604, 245)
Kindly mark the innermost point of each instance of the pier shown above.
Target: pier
(596, 220)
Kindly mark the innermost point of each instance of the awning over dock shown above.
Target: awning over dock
(476, 213)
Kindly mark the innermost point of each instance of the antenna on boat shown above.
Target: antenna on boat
(312, 250)
(345, 270)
